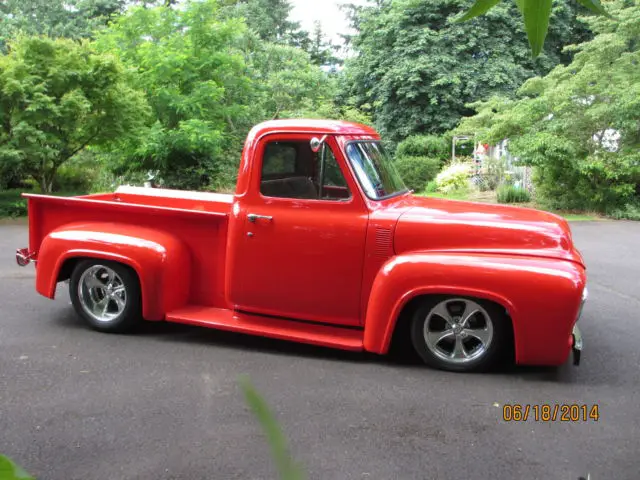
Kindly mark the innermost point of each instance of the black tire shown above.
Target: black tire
(474, 355)
(116, 318)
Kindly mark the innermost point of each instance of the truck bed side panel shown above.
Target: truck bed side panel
(204, 233)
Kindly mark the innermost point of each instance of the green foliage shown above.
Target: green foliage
(77, 175)
(191, 66)
(513, 194)
(269, 19)
(288, 469)
(536, 15)
(208, 80)
(478, 8)
(630, 211)
(580, 125)
(432, 187)
(417, 69)
(12, 204)
(11, 471)
(493, 174)
(454, 177)
(417, 171)
(424, 146)
(324, 109)
(55, 18)
(321, 50)
(58, 97)
(286, 82)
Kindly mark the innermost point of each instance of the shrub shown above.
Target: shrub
(630, 212)
(77, 175)
(12, 204)
(454, 177)
(513, 194)
(424, 146)
(493, 173)
(417, 171)
(432, 187)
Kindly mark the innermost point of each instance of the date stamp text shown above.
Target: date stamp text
(550, 412)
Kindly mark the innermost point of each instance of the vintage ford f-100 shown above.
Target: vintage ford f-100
(321, 243)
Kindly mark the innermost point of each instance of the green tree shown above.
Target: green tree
(535, 14)
(56, 18)
(209, 79)
(58, 97)
(270, 19)
(190, 63)
(287, 81)
(579, 125)
(416, 68)
(321, 50)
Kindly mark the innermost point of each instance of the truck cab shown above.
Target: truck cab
(321, 243)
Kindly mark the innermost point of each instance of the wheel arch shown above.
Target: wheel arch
(402, 311)
(157, 258)
(400, 334)
(540, 330)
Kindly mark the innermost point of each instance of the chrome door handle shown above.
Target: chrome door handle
(252, 217)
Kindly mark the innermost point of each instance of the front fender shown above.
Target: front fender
(161, 261)
(541, 295)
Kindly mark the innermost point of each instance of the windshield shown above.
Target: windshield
(374, 169)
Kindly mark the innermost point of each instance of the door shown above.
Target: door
(302, 250)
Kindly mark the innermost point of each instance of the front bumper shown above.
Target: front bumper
(576, 346)
(576, 335)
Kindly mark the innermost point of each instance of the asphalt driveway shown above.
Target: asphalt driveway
(165, 403)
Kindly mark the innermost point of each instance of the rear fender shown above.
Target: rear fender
(161, 261)
(541, 296)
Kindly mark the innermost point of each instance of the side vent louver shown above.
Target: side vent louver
(384, 242)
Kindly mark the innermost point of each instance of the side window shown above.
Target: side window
(279, 159)
(292, 170)
(334, 185)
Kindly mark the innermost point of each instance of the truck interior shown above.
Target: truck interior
(291, 169)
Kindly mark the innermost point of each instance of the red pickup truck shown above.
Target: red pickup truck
(323, 244)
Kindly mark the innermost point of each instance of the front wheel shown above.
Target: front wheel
(459, 333)
(106, 295)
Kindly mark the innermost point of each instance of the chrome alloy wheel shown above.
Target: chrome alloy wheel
(102, 293)
(458, 330)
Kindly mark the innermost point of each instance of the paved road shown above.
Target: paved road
(164, 404)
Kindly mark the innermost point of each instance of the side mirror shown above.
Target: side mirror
(316, 143)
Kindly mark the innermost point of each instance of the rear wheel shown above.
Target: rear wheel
(460, 334)
(106, 295)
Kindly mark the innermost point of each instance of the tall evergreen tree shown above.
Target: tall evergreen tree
(417, 69)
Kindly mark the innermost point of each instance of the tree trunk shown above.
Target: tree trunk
(45, 180)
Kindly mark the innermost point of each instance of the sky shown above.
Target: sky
(332, 19)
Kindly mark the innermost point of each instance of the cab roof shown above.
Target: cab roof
(335, 127)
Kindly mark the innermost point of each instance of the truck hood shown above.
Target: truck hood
(430, 224)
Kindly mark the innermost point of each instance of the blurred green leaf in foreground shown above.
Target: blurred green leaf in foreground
(535, 14)
(11, 471)
(287, 468)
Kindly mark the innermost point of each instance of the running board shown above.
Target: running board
(302, 332)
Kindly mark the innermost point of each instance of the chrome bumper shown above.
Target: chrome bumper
(577, 345)
(23, 257)
(576, 335)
